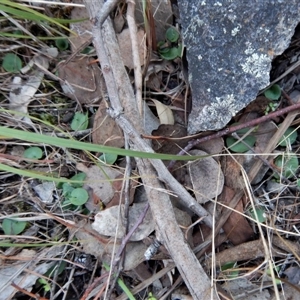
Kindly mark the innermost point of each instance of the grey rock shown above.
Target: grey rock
(230, 46)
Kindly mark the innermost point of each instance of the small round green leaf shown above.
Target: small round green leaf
(288, 163)
(78, 177)
(273, 93)
(80, 121)
(13, 227)
(170, 53)
(88, 50)
(172, 35)
(79, 196)
(33, 153)
(62, 44)
(11, 63)
(67, 189)
(289, 137)
(108, 158)
(240, 147)
(261, 216)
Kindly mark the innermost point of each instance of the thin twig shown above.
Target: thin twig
(138, 78)
(105, 10)
(229, 130)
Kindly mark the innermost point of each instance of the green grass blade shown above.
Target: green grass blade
(67, 143)
(24, 12)
(121, 284)
(41, 38)
(32, 174)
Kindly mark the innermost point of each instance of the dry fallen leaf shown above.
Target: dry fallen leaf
(26, 272)
(105, 130)
(23, 90)
(103, 250)
(98, 179)
(237, 228)
(206, 176)
(165, 114)
(126, 49)
(83, 28)
(108, 221)
(82, 80)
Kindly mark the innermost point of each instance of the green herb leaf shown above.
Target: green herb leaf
(45, 284)
(288, 163)
(62, 44)
(289, 137)
(228, 266)
(80, 121)
(79, 196)
(108, 158)
(240, 147)
(273, 93)
(170, 53)
(11, 63)
(33, 153)
(13, 227)
(78, 177)
(261, 216)
(172, 34)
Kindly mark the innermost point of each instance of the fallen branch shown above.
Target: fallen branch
(121, 95)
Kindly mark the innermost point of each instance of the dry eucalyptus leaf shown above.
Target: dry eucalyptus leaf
(83, 29)
(105, 130)
(118, 187)
(98, 179)
(236, 228)
(107, 221)
(165, 114)
(126, 49)
(103, 250)
(206, 176)
(23, 90)
(214, 146)
(82, 80)
(134, 255)
(45, 191)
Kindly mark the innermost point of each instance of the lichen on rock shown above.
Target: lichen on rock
(230, 46)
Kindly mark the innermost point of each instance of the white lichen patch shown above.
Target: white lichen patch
(215, 115)
(257, 65)
(193, 27)
(235, 30)
(225, 104)
(249, 49)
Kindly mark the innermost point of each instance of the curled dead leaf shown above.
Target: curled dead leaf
(126, 48)
(206, 176)
(165, 114)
